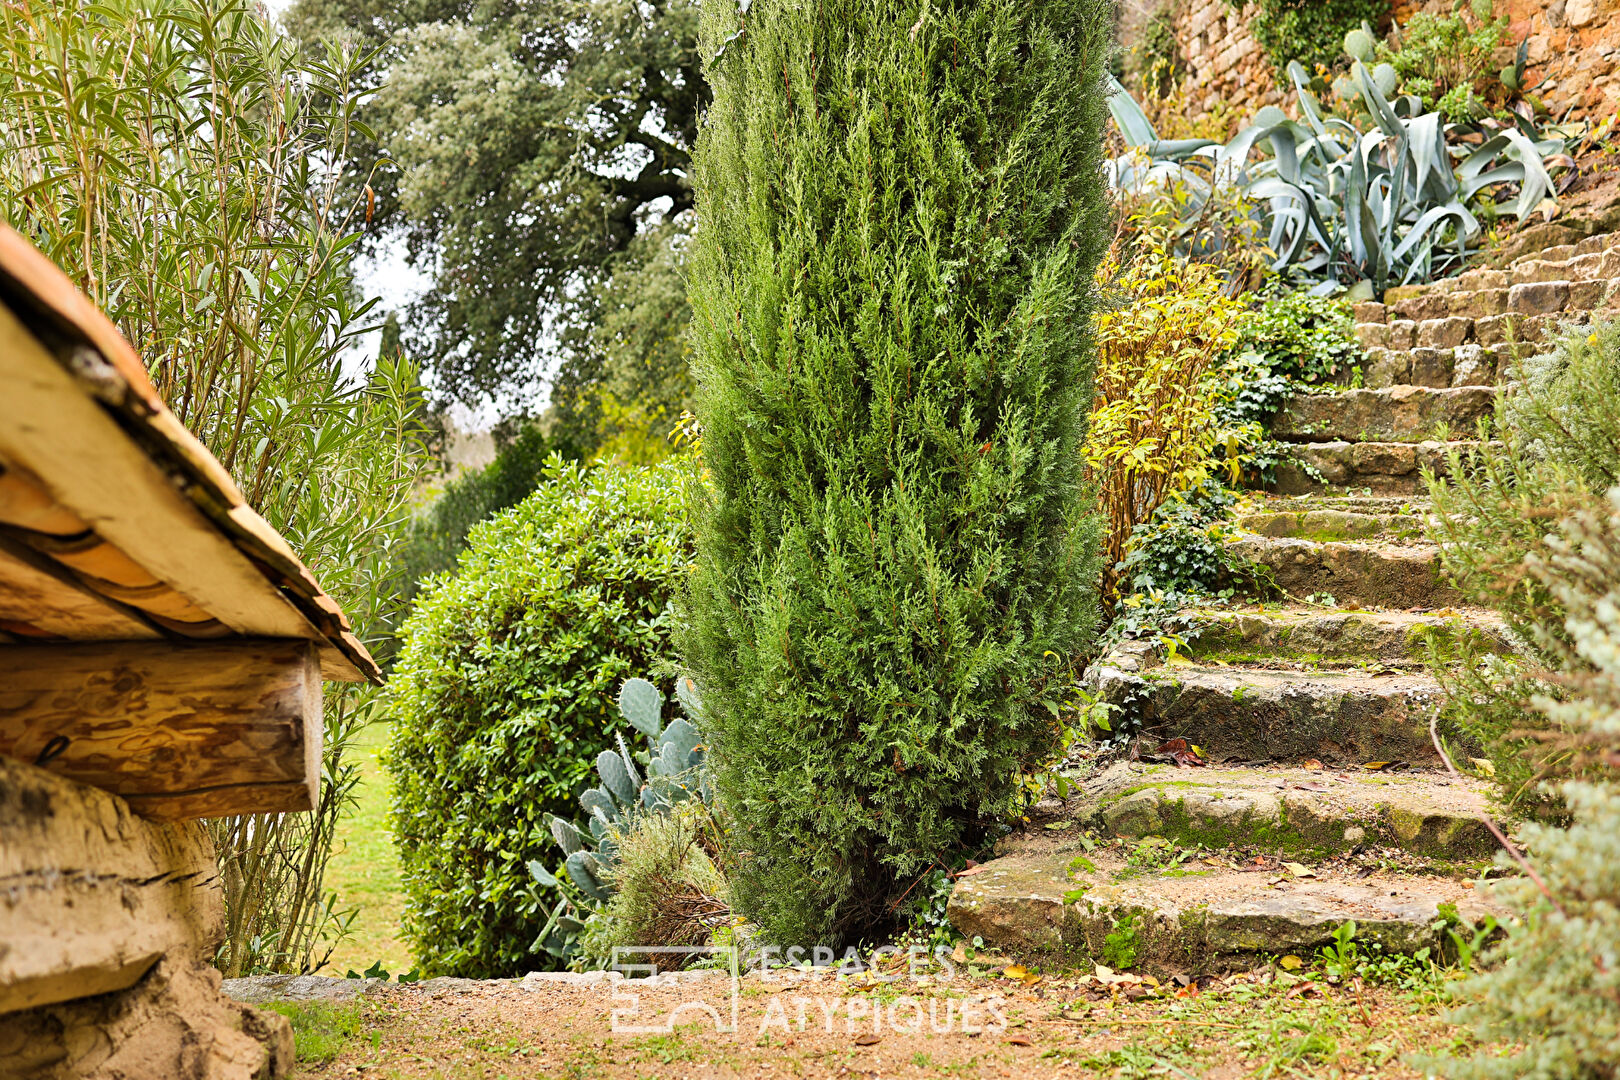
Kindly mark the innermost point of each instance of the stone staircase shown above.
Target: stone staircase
(1322, 798)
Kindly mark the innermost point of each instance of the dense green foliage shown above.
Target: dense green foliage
(524, 148)
(438, 531)
(1447, 60)
(191, 191)
(1299, 336)
(1309, 31)
(1557, 453)
(901, 208)
(1549, 1004)
(503, 695)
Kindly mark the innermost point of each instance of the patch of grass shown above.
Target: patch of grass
(320, 1028)
(364, 870)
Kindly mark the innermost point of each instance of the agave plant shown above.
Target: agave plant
(673, 773)
(1386, 206)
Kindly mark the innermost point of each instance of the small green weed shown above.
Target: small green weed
(320, 1028)
(1121, 945)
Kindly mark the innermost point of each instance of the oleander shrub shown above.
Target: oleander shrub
(504, 694)
(900, 210)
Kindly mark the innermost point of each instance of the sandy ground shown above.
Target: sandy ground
(1263, 1023)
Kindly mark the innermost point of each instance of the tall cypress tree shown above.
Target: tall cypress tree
(900, 210)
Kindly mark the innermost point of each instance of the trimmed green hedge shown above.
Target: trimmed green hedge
(503, 695)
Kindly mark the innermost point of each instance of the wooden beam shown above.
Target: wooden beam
(93, 895)
(179, 730)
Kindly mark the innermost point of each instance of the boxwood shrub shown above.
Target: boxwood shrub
(503, 695)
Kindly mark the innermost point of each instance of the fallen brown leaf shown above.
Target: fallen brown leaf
(868, 1040)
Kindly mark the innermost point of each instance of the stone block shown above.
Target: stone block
(1422, 308)
(1401, 292)
(1539, 297)
(1592, 245)
(1431, 367)
(1473, 366)
(1370, 312)
(1538, 269)
(1492, 329)
(1587, 295)
(1445, 333)
(1383, 459)
(1372, 335)
(1483, 278)
(1585, 267)
(1402, 334)
(1385, 368)
(1558, 253)
(1479, 303)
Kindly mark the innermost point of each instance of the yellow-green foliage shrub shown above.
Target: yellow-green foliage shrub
(1153, 427)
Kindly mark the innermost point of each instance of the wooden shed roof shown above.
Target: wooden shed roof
(116, 523)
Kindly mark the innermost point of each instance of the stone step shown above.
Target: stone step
(1249, 714)
(1470, 364)
(1304, 814)
(1388, 506)
(1565, 252)
(1394, 414)
(1283, 517)
(1385, 468)
(1365, 574)
(1336, 637)
(1050, 898)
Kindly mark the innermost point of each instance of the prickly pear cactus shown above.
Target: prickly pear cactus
(1360, 45)
(669, 772)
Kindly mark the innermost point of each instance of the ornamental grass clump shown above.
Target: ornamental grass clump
(900, 212)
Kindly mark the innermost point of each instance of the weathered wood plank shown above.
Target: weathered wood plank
(179, 730)
(91, 468)
(37, 603)
(91, 896)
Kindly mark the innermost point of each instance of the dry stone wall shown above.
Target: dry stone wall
(1574, 50)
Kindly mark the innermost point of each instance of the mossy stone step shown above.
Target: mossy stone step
(1326, 525)
(1400, 414)
(1053, 900)
(1338, 636)
(1345, 502)
(1366, 574)
(1383, 468)
(1303, 813)
(1343, 717)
